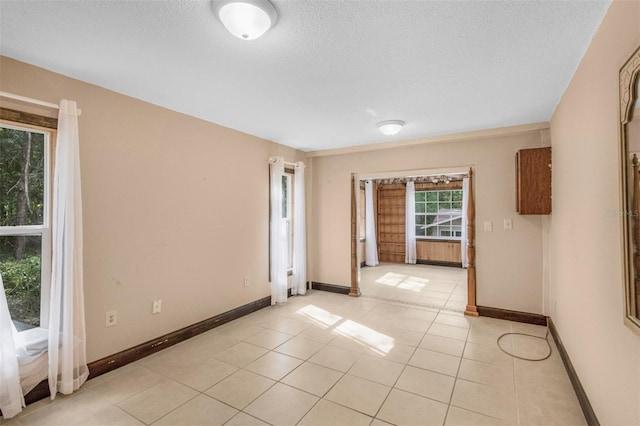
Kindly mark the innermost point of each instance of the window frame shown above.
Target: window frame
(44, 230)
(427, 214)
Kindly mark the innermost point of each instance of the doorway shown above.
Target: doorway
(430, 273)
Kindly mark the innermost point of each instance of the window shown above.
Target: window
(25, 234)
(439, 214)
(287, 213)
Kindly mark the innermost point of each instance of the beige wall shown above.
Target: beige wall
(586, 281)
(175, 208)
(509, 263)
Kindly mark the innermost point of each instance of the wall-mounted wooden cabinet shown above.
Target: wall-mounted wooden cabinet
(533, 181)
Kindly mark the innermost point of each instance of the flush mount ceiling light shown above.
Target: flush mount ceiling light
(246, 19)
(390, 127)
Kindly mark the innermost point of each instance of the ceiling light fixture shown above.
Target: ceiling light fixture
(246, 19)
(390, 127)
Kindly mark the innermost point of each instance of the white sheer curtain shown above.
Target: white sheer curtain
(410, 224)
(465, 202)
(67, 340)
(11, 399)
(278, 234)
(371, 245)
(299, 283)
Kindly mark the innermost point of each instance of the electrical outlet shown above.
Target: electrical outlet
(157, 306)
(246, 281)
(508, 224)
(111, 318)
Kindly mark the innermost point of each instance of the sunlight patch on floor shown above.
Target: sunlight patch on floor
(320, 316)
(402, 281)
(378, 342)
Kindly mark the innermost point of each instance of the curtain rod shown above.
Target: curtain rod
(32, 101)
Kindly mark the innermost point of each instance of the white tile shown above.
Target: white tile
(153, 403)
(359, 394)
(281, 405)
(124, 382)
(486, 400)
(202, 375)
(268, 339)
(243, 419)
(73, 408)
(327, 413)
(335, 358)
(435, 361)
(313, 378)
(445, 345)
(240, 389)
(403, 408)
(426, 383)
(300, 347)
(449, 331)
(496, 375)
(377, 370)
(200, 411)
(111, 415)
(241, 354)
(461, 417)
(274, 365)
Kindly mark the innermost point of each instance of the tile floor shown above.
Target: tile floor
(439, 287)
(329, 359)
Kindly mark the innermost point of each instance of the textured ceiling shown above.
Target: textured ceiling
(329, 69)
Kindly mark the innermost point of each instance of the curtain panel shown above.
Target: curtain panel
(278, 234)
(67, 338)
(299, 282)
(11, 399)
(410, 224)
(371, 245)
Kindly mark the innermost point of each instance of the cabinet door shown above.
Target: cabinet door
(533, 181)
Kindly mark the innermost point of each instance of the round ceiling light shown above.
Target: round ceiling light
(246, 19)
(390, 127)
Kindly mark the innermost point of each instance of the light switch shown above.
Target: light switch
(488, 226)
(508, 224)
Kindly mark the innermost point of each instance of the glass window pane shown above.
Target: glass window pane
(420, 219)
(444, 196)
(432, 208)
(432, 196)
(420, 207)
(420, 231)
(20, 266)
(430, 219)
(457, 195)
(431, 232)
(22, 177)
(457, 205)
(457, 222)
(444, 205)
(420, 196)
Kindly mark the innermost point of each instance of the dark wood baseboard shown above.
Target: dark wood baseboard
(120, 359)
(587, 409)
(517, 316)
(439, 263)
(363, 264)
(330, 288)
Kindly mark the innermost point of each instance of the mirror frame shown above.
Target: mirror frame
(630, 228)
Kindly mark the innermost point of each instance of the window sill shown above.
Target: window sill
(438, 240)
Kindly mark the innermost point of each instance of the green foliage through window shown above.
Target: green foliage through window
(23, 174)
